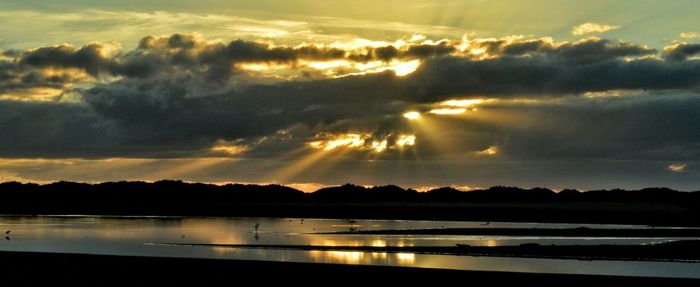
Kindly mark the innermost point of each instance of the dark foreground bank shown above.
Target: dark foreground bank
(551, 232)
(33, 269)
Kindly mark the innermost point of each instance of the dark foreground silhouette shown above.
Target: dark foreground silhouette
(42, 269)
(652, 206)
(551, 232)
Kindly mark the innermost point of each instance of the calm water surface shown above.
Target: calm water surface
(137, 235)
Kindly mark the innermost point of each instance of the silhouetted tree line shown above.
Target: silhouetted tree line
(179, 191)
(656, 206)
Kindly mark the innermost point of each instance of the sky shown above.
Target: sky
(561, 94)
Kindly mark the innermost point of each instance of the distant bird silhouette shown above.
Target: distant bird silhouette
(352, 225)
(8, 232)
(257, 225)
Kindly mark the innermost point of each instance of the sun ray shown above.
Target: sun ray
(289, 171)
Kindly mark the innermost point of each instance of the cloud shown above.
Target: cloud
(211, 65)
(677, 167)
(592, 28)
(690, 35)
(127, 27)
(584, 51)
(92, 58)
(214, 65)
(654, 126)
(182, 96)
(681, 51)
(193, 53)
(10, 176)
(544, 70)
(37, 84)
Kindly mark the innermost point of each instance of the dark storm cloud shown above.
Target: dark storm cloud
(386, 53)
(657, 127)
(423, 51)
(182, 46)
(538, 67)
(506, 76)
(90, 58)
(584, 51)
(177, 96)
(250, 111)
(537, 61)
(156, 55)
(245, 51)
(681, 52)
(20, 80)
(49, 130)
(157, 118)
(410, 51)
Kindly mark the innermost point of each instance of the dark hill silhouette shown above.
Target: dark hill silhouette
(496, 193)
(175, 190)
(350, 192)
(170, 197)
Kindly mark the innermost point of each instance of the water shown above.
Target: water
(140, 235)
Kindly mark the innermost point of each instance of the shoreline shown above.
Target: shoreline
(574, 213)
(545, 232)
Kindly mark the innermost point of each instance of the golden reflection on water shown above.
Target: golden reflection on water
(379, 255)
(379, 243)
(406, 258)
(359, 257)
(350, 257)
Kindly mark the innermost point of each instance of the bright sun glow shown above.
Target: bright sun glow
(448, 111)
(456, 107)
(406, 258)
(405, 68)
(364, 142)
(462, 103)
(261, 67)
(230, 149)
(400, 68)
(412, 115)
(406, 140)
(334, 68)
(491, 151)
(329, 64)
(379, 146)
(345, 140)
(677, 167)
